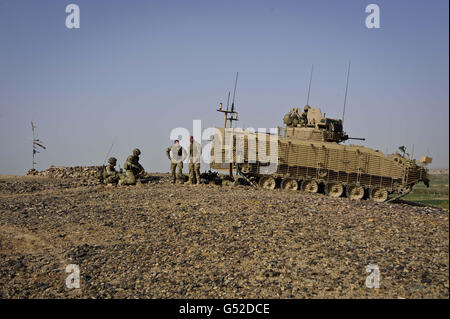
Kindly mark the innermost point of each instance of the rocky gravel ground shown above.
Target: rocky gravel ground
(159, 240)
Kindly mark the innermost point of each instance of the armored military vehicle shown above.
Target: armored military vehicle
(307, 154)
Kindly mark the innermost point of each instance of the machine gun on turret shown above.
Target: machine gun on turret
(316, 127)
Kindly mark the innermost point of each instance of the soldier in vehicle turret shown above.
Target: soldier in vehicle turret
(293, 118)
(304, 120)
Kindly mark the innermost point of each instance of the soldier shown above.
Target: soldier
(176, 160)
(288, 118)
(195, 151)
(305, 115)
(132, 169)
(295, 117)
(110, 175)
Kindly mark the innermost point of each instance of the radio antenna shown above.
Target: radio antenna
(230, 115)
(36, 142)
(107, 154)
(234, 93)
(310, 81)
(346, 90)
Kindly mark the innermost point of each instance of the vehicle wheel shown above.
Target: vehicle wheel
(334, 189)
(245, 168)
(267, 182)
(355, 192)
(310, 186)
(378, 194)
(289, 184)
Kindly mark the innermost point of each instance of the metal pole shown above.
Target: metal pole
(32, 143)
(234, 93)
(310, 81)
(346, 90)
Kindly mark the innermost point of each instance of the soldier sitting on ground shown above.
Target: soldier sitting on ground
(133, 169)
(176, 160)
(110, 175)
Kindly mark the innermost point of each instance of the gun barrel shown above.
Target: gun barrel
(357, 138)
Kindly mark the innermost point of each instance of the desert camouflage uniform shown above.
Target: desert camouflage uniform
(132, 169)
(110, 176)
(195, 151)
(176, 161)
(305, 115)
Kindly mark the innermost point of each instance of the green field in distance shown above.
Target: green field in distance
(436, 195)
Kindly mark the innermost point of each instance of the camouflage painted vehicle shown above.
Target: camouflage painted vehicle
(309, 157)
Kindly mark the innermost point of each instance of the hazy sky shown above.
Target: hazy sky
(137, 69)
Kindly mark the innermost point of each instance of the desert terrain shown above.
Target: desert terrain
(158, 240)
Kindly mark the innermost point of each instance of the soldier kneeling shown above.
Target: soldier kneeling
(110, 175)
(132, 168)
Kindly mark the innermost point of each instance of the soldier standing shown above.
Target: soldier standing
(195, 151)
(110, 175)
(132, 168)
(176, 160)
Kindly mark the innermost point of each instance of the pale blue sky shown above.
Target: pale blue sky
(137, 69)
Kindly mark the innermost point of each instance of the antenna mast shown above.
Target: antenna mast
(229, 115)
(310, 81)
(234, 93)
(346, 90)
(36, 142)
(34, 150)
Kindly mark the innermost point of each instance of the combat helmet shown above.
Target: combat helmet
(136, 152)
(112, 160)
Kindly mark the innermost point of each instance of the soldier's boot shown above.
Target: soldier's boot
(120, 182)
(197, 173)
(189, 182)
(197, 179)
(180, 178)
